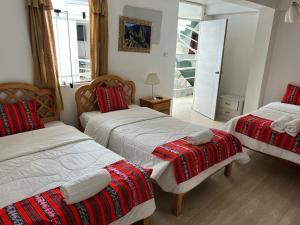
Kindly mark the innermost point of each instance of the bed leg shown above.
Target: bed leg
(146, 221)
(177, 204)
(228, 170)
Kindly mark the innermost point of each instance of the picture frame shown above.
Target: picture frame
(134, 35)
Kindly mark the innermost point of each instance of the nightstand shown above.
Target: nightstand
(162, 105)
(230, 106)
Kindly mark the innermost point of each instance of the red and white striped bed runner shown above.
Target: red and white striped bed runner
(130, 186)
(190, 160)
(260, 129)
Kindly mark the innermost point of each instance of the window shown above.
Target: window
(71, 31)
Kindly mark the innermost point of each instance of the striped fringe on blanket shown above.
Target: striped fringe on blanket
(130, 186)
(260, 129)
(190, 160)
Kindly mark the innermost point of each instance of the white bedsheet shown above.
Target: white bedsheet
(85, 117)
(49, 160)
(139, 135)
(272, 112)
(100, 128)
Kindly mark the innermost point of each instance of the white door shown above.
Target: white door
(209, 66)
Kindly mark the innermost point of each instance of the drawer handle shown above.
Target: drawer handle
(226, 103)
(226, 112)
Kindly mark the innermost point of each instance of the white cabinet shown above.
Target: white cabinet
(230, 106)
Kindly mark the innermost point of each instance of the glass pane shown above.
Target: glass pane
(71, 28)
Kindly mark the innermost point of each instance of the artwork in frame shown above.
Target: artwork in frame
(134, 35)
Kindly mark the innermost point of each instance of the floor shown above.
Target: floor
(263, 192)
(182, 109)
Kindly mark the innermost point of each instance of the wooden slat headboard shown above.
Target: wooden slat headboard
(85, 96)
(46, 105)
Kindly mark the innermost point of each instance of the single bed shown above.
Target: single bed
(35, 164)
(269, 112)
(135, 132)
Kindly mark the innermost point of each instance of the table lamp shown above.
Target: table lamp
(152, 79)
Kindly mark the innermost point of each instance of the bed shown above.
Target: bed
(135, 132)
(265, 115)
(34, 164)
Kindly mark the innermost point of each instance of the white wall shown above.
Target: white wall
(16, 60)
(240, 38)
(190, 10)
(136, 66)
(258, 4)
(15, 51)
(259, 60)
(284, 60)
(227, 8)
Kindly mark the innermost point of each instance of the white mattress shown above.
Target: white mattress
(136, 141)
(272, 112)
(85, 117)
(46, 168)
(54, 123)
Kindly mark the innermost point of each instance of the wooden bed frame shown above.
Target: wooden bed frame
(46, 105)
(86, 101)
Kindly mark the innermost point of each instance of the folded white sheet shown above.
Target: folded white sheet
(201, 137)
(85, 187)
(293, 127)
(279, 125)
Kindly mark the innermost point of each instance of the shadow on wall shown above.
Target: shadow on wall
(69, 115)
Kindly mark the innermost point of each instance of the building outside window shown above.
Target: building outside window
(71, 31)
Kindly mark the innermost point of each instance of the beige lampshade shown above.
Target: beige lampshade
(152, 79)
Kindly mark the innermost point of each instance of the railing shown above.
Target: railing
(83, 74)
(183, 82)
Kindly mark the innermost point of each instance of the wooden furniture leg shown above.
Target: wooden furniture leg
(228, 170)
(146, 221)
(177, 204)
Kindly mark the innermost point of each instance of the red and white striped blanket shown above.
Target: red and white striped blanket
(260, 129)
(130, 186)
(190, 160)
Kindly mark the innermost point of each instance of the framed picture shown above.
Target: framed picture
(134, 35)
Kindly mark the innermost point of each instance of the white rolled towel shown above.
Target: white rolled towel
(200, 137)
(279, 125)
(293, 127)
(85, 187)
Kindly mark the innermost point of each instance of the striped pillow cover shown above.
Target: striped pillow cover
(292, 95)
(19, 117)
(111, 98)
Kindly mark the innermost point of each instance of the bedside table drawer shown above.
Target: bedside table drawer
(226, 113)
(230, 104)
(166, 112)
(161, 104)
(164, 106)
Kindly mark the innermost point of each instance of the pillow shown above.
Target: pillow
(19, 117)
(292, 95)
(111, 98)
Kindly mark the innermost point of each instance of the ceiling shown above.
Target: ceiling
(214, 7)
(207, 2)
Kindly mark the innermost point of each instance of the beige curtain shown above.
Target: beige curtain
(98, 37)
(43, 47)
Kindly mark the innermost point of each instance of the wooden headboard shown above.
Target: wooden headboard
(85, 96)
(46, 105)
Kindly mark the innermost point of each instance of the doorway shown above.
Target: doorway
(208, 65)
